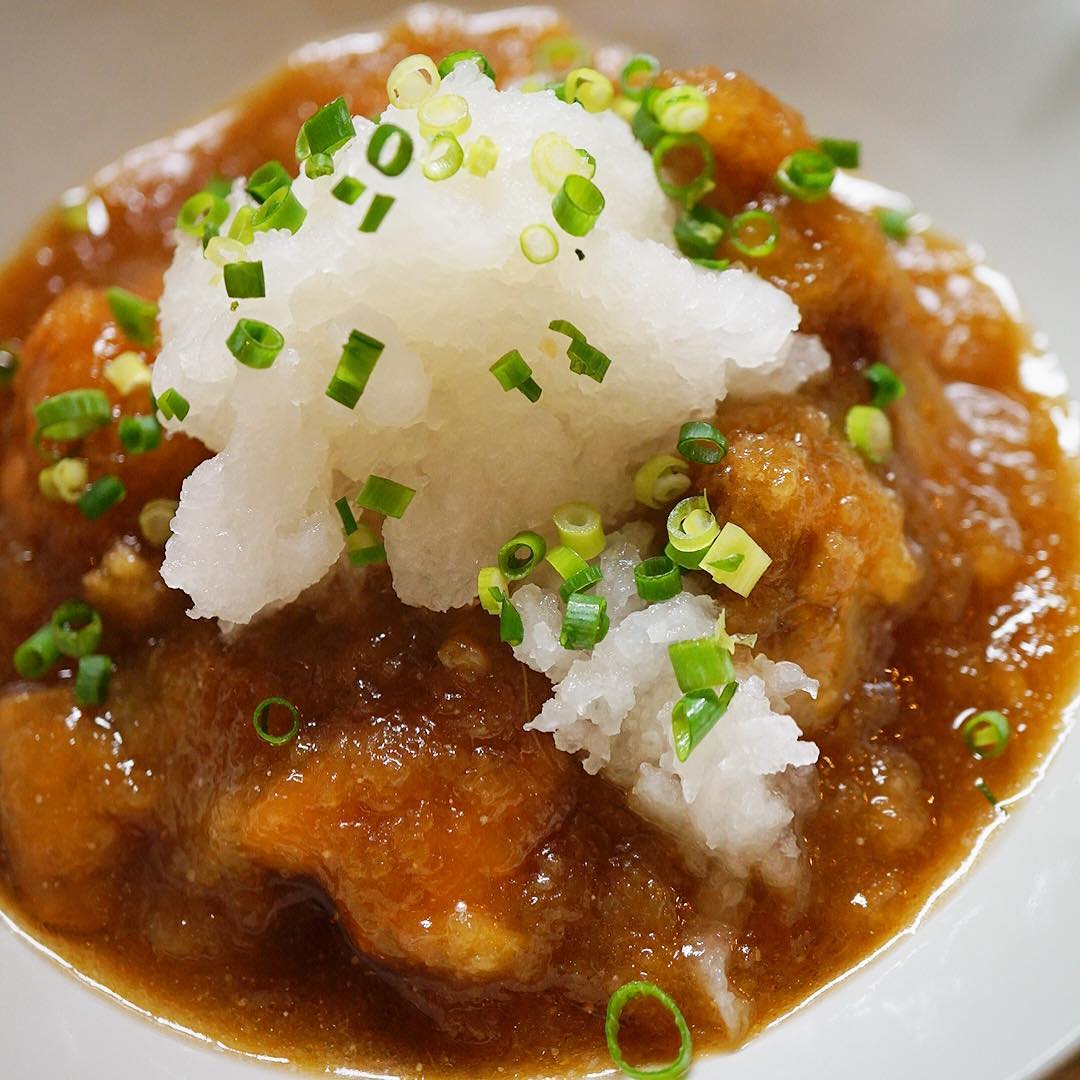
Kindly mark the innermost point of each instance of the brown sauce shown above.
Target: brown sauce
(164, 850)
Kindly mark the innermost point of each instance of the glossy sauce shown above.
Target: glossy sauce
(171, 855)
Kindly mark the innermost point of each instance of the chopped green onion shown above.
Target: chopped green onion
(661, 480)
(92, 679)
(698, 236)
(9, 363)
(134, 315)
(657, 578)
(869, 431)
(521, 555)
(700, 183)
(700, 442)
(691, 525)
(700, 663)
(511, 628)
(72, 414)
(358, 358)
(36, 654)
(327, 131)
(514, 373)
(585, 622)
(672, 1070)
(155, 520)
(348, 519)
(713, 264)
(65, 481)
(695, 714)
(447, 112)
(681, 109)
(888, 387)
(984, 789)
(240, 229)
(758, 221)
(443, 158)
(267, 179)
(561, 54)
(585, 359)
(364, 548)
(221, 251)
(895, 224)
(76, 628)
(413, 80)
(171, 403)
(244, 279)
(318, 165)
(538, 244)
(491, 586)
(200, 212)
(255, 344)
(581, 581)
(259, 720)
(580, 527)
(384, 496)
(844, 153)
(553, 158)
(127, 372)
(741, 574)
(564, 326)
(482, 156)
(565, 561)
(591, 90)
(644, 126)
(986, 734)
(687, 560)
(379, 208)
(100, 496)
(577, 205)
(806, 175)
(638, 75)
(139, 434)
(348, 190)
(462, 56)
(281, 210)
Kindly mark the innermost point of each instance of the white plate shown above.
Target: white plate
(968, 105)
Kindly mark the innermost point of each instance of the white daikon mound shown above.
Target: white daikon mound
(731, 801)
(444, 284)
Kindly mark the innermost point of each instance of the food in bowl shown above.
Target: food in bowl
(559, 568)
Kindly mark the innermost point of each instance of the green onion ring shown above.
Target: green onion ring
(700, 442)
(258, 720)
(986, 734)
(76, 628)
(695, 714)
(281, 210)
(657, 579)
(72, 414)
(618, 1001)
(37, 654)
(577, 205)
(754, 218)
(92, 679)
(701, 183)
(630, 78)
(521, 555)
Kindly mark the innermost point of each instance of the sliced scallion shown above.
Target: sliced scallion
(657, 579)
(482, 156)
(580, 527)
(171, 403)
(691, 525)
(260, 721)
(385, 496)
(681, 146)
(244, 280)
(318, 165)
(895, 224)
(364, 548)
(986, 734)
(844, 153)
(134, 315)
(281, 210)
(64, 481)
(379, 208)
(127, 372)
(700, 663)
(681, 109)
(806, 175)
(511, 628)
(513, 373)
(698, 233)
(589, 88)
(37, 654)
(491, 586)
(888, 387)
(577, 205)
(413, 80)
(702, 443)
(553, 158)
(72, 414)
(102, 495)
(255, 344)
(358, 358)
(661, 480)
(758, 223)
(327, 131)
(76, 628)
(585, 621)
(637, 75)
(466, 56)
(521, 555)
(348, 190)
(869, 431)
(580, 581)
(538, 244)
(155, 520)
(672, 1070)
(200, 211)
(446, 112)
(139, 434)
(92, 679)
(695, 714)
(267, 179)
(444, 157)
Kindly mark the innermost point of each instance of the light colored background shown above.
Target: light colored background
(973, 108)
